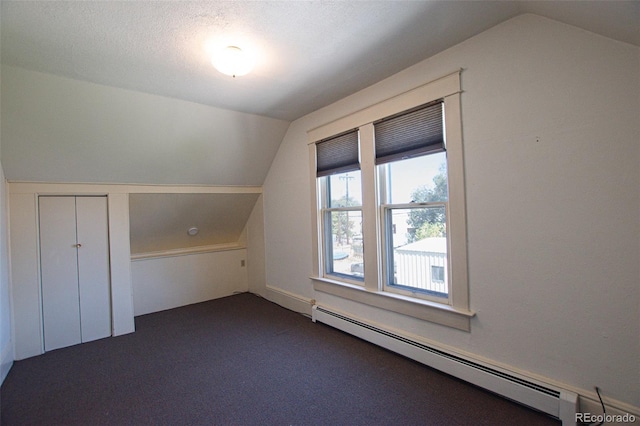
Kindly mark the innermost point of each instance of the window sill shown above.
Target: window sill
(422, 309)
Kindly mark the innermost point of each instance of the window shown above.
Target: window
(390, 209)
(412, 178)
(437, 274)
(341, 205)
(342, 223)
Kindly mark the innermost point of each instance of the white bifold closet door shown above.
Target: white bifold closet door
(74, 262)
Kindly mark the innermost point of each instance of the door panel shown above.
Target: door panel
(93, 267)
(58, 263)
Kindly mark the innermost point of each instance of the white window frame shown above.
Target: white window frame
(456, 312)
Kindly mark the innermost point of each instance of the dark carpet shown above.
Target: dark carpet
(242, 360)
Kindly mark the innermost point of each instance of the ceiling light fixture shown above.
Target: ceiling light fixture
(232, 61)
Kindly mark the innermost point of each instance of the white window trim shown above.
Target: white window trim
(457, 313)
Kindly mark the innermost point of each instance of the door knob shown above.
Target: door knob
(78, 245)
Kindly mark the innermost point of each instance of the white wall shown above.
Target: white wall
(552, 163)
(25, 295)
(6, 343)
(168, 282)
(256, 249)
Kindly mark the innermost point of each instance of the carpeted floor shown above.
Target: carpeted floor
(242, 360)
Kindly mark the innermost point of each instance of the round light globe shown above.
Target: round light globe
(232, 61)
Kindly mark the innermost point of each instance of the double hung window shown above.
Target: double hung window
(338, 171)
(412, 179)
(390, 224)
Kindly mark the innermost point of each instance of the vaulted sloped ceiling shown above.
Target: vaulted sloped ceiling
(309, 53)
(107, 91)
(56, 129)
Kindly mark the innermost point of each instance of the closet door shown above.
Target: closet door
(93, 267)
(59, 270)
(74, 252)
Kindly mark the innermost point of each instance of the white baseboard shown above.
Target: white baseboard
(289, 300)
(6, 361)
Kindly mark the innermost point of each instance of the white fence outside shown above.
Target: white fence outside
(423, 265)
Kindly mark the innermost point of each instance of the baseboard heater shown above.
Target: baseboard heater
(558, 403)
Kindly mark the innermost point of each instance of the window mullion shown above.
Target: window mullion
(370, 218)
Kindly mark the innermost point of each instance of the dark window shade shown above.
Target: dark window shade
(338, 154)
(411, 133)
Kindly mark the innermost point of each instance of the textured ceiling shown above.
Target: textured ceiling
(310, 54)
